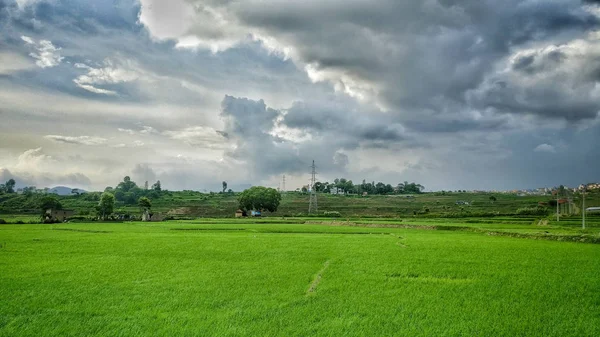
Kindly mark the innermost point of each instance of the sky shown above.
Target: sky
(452, 94)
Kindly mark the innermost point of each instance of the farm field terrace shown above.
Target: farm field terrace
(238, 278)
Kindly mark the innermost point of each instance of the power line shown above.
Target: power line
(283, 184)
(312, 205)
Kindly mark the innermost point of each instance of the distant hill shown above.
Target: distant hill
(63, 190)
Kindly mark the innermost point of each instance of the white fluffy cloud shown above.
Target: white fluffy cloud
(547, 148)
(33, 159)
(192, 24)
(111, 72)
(36, 167)
(46, 54)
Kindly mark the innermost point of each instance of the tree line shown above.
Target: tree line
(128, 192)
(8, 187)
(346, 186)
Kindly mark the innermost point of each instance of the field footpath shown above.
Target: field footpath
(313, 285)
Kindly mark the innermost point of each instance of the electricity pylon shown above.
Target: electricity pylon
(312, 205)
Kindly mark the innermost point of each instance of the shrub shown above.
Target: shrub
(20, 222)
(532, 211)
(332, 214)
(2, 221)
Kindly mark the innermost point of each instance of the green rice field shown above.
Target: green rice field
(297, 278)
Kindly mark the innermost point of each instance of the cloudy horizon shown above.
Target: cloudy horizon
(452, 94)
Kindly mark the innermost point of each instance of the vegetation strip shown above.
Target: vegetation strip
(262, 231)
(551, 237)
(317, 279)
(80, 230)
(428, 278)
(209, 229)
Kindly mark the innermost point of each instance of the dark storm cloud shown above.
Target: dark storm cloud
(76, 16)
(100, 42)
(558, 82)
(251, 124)
(247, 118)
(455, 126)
(420, 56)
(537, 62)
(345, 117)
(248, 122)
(387, 83)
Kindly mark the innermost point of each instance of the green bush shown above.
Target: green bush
(2, 221)
(332, 214)
(79, 217)
(532, 211)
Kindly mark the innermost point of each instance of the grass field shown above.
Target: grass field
(238, 278)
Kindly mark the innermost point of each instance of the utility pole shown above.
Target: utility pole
(557, 200)
(583, 208)
(312, 205)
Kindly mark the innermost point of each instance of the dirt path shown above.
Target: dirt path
(317, 279)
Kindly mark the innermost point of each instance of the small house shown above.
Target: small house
(593, 209)
(335, 190)
(157, 217)
(58, 214)
(239, 213)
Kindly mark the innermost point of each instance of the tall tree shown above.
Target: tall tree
(9, 186)
(224, 186)
(106, 205)
(319, 186)
(126, 185)
(400, 188)
(28, 191)
(259, 198)
(145, 205)
(47, 203)
(348, 187)
(156, 186)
